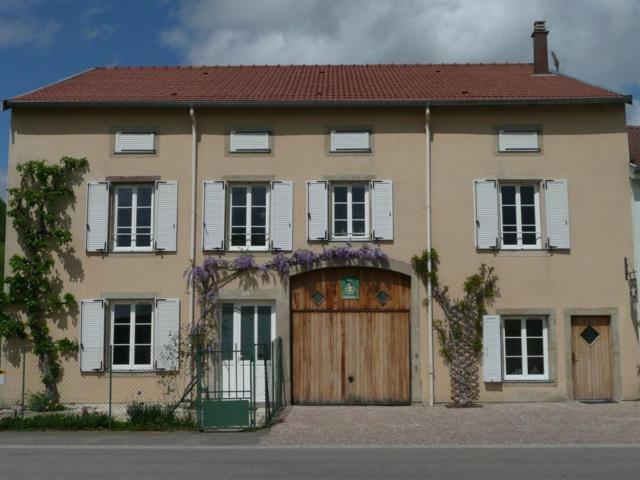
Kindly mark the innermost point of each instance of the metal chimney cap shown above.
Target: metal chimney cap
(540, 26)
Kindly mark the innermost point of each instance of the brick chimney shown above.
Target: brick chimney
(540, 55)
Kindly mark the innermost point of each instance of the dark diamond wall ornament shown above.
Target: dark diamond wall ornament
(382, 297)
(317, 297)
(589, 334)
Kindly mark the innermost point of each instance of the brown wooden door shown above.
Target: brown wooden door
(591, 357)
(350, 351)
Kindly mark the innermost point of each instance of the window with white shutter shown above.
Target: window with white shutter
(486, 214)
(350, 141)
(135, 142)
(166, 224)
(213, 215)
(92, 335)
(249, 141)
(557, 207)
(166, 334)
(382, 209)
(249, 216)
(518, 141)
(317, 210)
(281, 215)
(520, 216)
(491, 351)
(97, 216)
(133, 218)
(350, 211)
(525, 348)
(132, 325)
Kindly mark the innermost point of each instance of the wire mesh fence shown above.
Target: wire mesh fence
(102, 386)
(216, 389)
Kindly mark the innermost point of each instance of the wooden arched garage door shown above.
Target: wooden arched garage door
(350, 336)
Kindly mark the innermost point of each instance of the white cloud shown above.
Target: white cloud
(15, 32)
(595, 41)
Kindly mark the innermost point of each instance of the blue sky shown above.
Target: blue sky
(42, 41)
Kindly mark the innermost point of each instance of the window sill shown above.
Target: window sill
(350, 240)
(529, 382)
(133, 370)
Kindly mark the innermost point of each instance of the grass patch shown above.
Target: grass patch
(154, 416)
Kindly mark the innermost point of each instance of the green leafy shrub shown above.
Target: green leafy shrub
(58, 421)
(153, 415)
(39, 402)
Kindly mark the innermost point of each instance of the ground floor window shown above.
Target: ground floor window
(131, 335)
(525, 348)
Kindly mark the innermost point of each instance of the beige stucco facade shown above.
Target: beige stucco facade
(586, 145)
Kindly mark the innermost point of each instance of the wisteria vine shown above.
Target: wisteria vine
(213, 271)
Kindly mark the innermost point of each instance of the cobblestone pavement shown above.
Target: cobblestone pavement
(490, 424)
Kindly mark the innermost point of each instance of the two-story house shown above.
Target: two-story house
(511, 165)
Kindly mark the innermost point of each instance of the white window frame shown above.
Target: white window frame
(536, 198)
(334, 133)
(119, 150)
(247, 246)
(367, 207)
(132, 366)
(133, 247)
(523, 339)
(507, 131)
(239, 133)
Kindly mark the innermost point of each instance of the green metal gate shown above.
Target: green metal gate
(239, 388)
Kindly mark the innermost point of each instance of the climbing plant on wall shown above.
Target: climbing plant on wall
(460, 330)
(33, 299)
(214, 272)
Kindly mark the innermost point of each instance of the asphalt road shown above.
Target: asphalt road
(177, 457)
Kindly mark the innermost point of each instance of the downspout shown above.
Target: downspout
(429, 246)
(192, 244)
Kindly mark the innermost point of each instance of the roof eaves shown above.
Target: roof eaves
(6, 104)
(13, 103)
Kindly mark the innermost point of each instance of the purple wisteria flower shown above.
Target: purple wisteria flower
(305, 257)
(244, 263)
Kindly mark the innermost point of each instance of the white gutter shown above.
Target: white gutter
(429, 246)
(192, 245)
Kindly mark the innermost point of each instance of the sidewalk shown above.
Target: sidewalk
(491, 424)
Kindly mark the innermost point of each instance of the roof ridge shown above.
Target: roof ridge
(312, 65)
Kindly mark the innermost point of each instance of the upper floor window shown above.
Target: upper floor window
(350, 141)
(249, 214)
(518, 141)
(249, 141)
(135, 142)
(350, 211)
(508, 214)
(133, 219)
(520, 216)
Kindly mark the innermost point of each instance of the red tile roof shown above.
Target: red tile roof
(634, 144)
(316, 84)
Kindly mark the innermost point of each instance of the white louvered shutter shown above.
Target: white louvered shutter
(97, 216)
(350, 141)
(557, 207)
(166, 345)
(281, 215)
(213, 214)
(166, 216)
(317, 210)
(486, 214)
(492, 353)
(91, 335)
(134, 142)
(382, 209)
(510, 141)
(249, 141)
